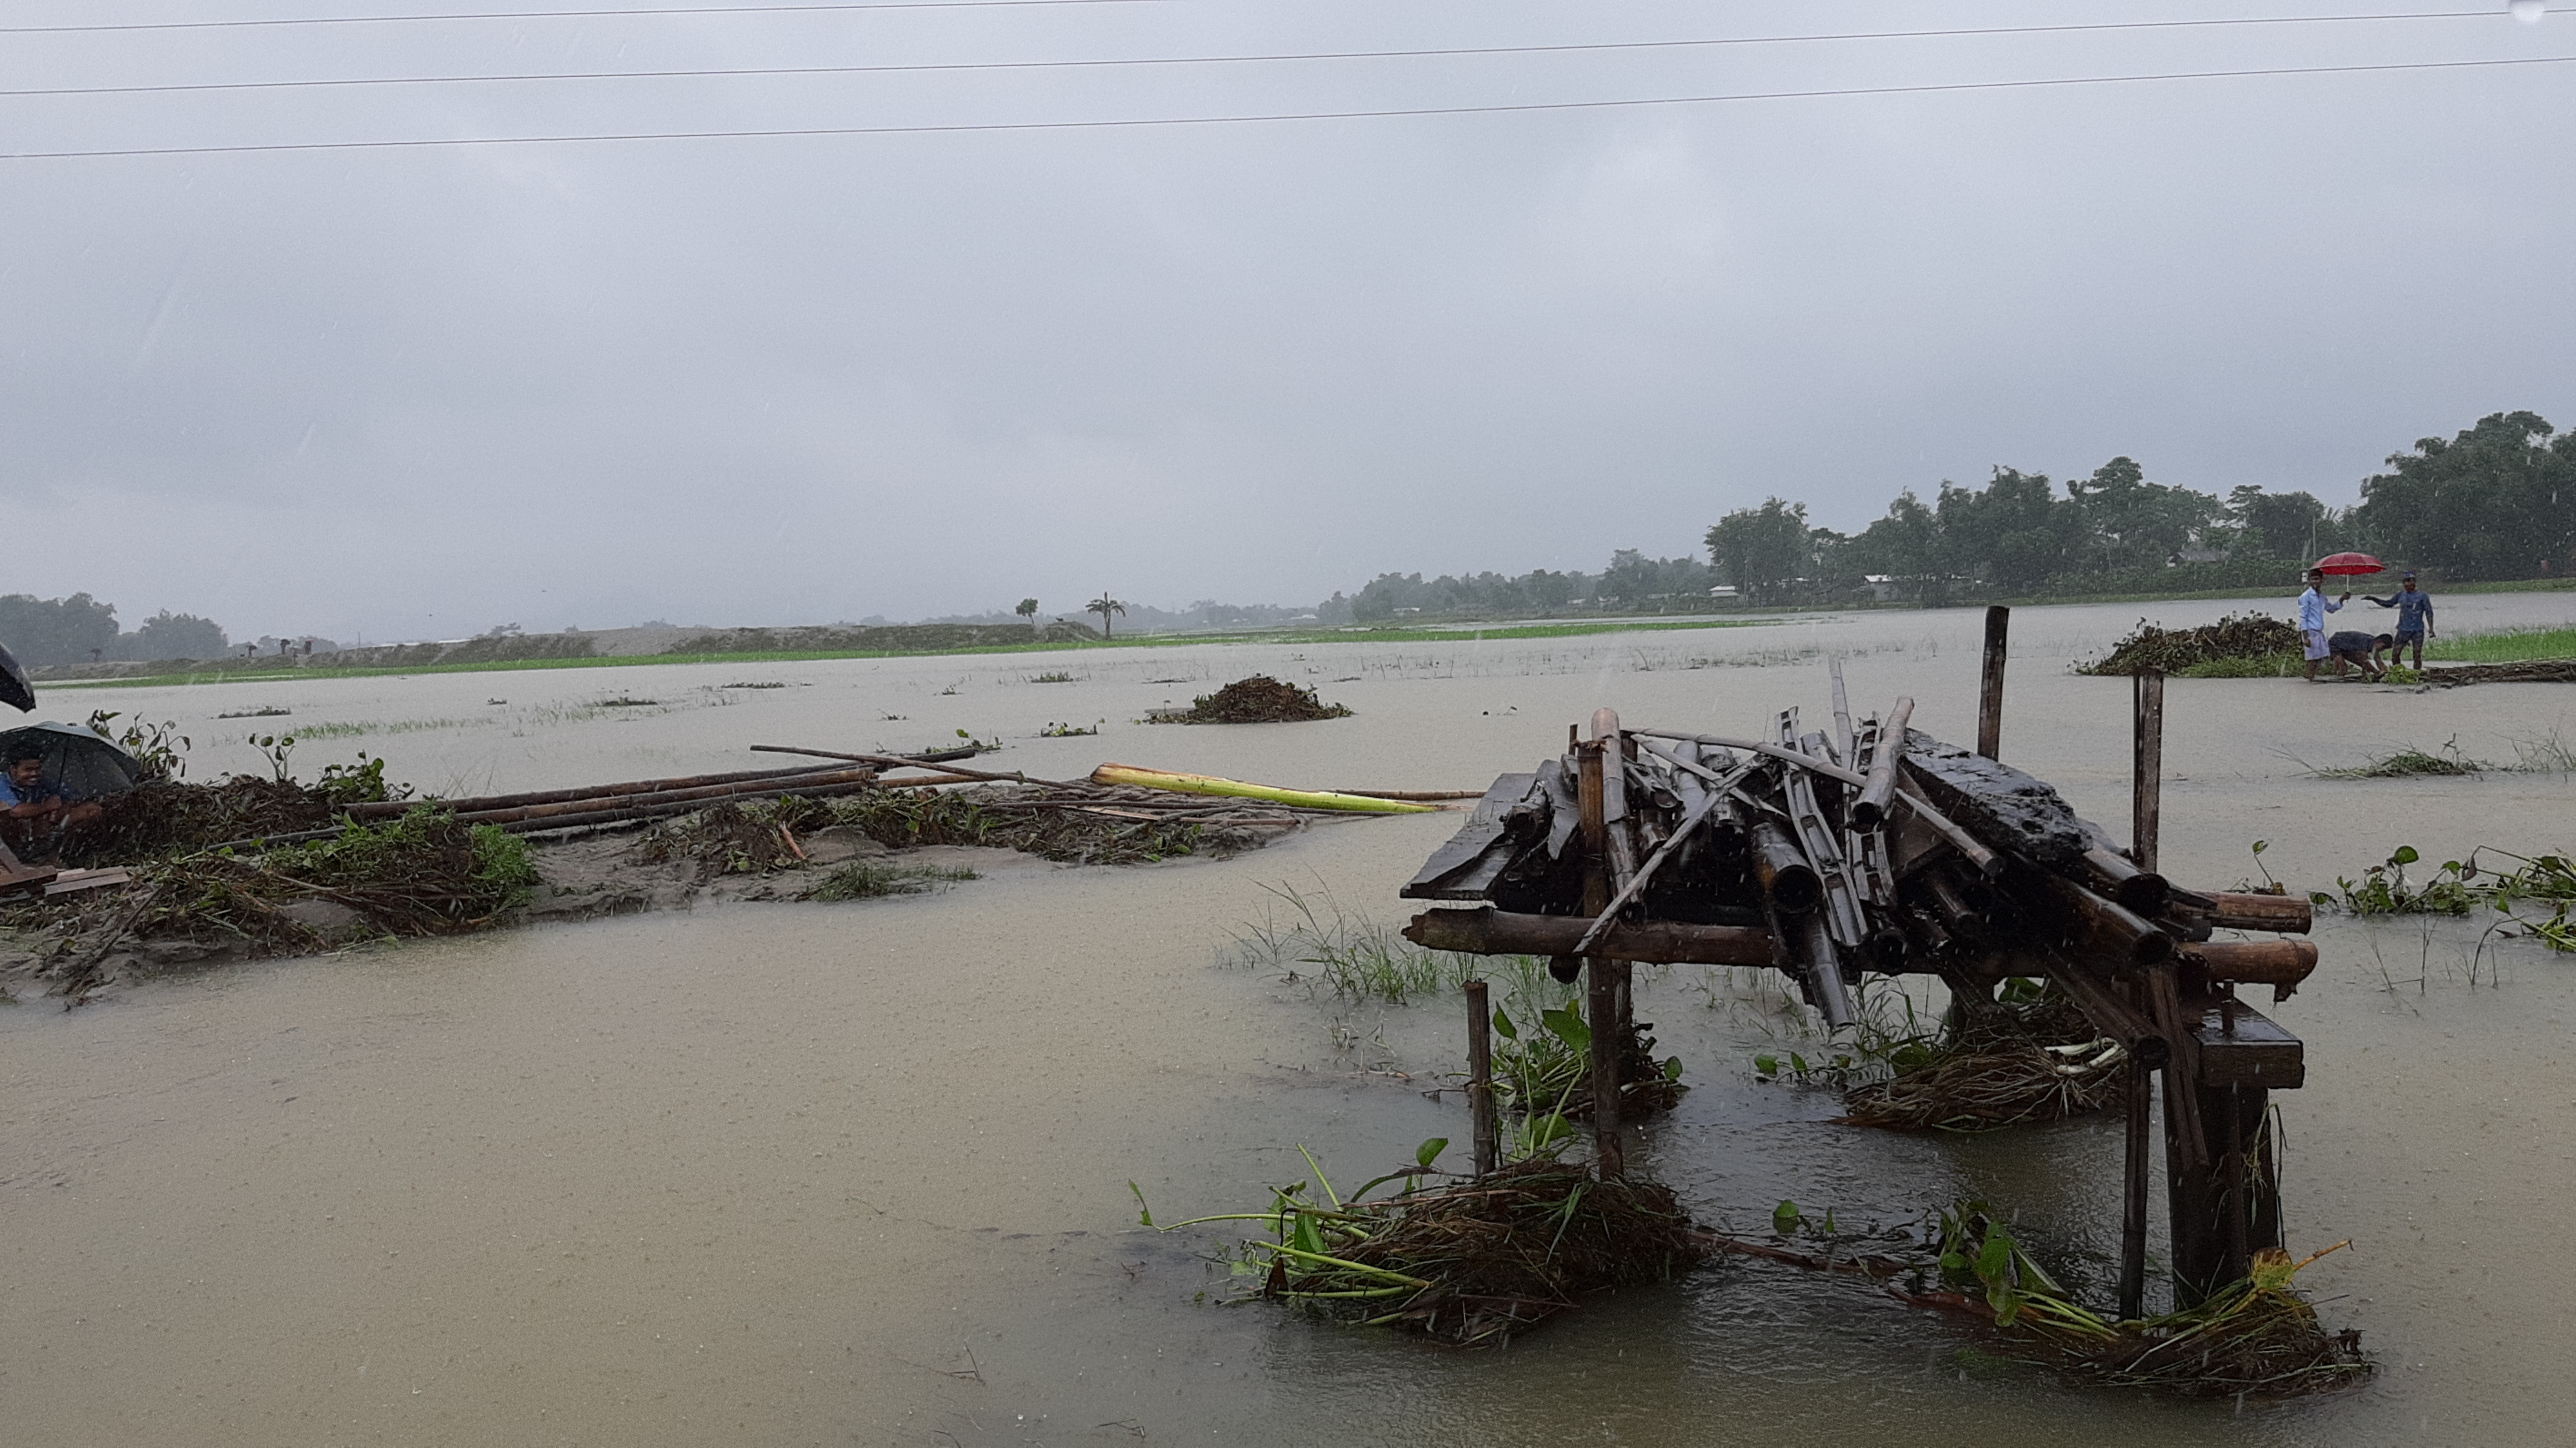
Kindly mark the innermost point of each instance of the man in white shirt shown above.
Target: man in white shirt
(2313, 609)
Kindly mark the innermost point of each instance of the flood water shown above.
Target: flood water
(827, 1174)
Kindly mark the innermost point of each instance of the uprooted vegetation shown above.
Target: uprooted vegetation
(2030, 1056)
(2237, 646)
(203, 885)
(2255, 1337)
(1256, 700)
(1475, 1261)
(1465, 1261)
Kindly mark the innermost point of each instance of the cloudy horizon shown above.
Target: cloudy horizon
(420, 392)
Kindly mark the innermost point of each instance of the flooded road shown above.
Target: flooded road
(788, 1174)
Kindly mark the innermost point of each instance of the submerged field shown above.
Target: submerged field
(771, 1173)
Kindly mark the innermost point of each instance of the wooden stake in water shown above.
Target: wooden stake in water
(2140, 1085)
(1990, 691)
(1601, 795)
(1480, 1080)
(2147, 788)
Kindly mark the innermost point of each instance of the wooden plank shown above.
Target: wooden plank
(1485, 833)
(21, 878)
(70, 881)
(2257, 1053)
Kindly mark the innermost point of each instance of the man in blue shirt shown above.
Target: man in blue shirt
(2313, 609)
(34, 811)
(2414, 618)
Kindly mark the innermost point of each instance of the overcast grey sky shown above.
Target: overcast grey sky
(414, 393)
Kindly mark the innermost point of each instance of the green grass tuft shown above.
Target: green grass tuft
(2504, 646)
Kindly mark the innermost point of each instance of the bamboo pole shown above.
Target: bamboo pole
(380, 809)
(1870, 809)
(1480, 1080)
(1237, 789)
(1663, 942)
(2286, 913)
(1990, 689)
(897, 761)
(1825, 767)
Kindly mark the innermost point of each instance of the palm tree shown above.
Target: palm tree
(1104, 606)
(1028, 609)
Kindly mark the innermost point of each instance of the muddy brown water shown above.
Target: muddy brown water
(858, 1173)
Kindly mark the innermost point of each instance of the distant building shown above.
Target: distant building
(1723, 590)
(1883, 587)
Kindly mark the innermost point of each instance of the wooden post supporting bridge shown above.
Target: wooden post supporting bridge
(1873, 847)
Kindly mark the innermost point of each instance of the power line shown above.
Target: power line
(555, 15)
(1450, 51)
(1139, 123)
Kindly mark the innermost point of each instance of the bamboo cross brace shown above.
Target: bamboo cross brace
(1809, 762)
(1645, 873)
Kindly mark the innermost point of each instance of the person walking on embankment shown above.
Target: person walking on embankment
(2414, 618)
(2313, 609)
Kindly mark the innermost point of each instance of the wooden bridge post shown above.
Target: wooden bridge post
(2147, 783)
(1990, 689)
(1602, 794)
(1480, 1079)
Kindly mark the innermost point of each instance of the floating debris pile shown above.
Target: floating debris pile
(1464, 1262)
(1256, 700)
(2239, 644)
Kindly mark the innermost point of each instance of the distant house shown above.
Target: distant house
(1883, 587)
(2180, 556)
(1723, 590)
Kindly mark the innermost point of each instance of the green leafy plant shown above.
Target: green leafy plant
(160, 748)
(2383, 889)
(359, 783)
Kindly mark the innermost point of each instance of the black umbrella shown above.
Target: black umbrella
(14, 688)
(79, 761)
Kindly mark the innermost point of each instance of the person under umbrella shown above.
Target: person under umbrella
(2313, 609)
(34, 811)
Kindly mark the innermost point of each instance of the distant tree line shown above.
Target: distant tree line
(2485, 504)
(78, 629)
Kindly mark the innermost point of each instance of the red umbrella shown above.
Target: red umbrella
(2351, 563)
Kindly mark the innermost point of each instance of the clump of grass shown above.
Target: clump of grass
(1364, 959)
(1051, 678)
(772, 684)
(623, 702)
(2258, 666)
(2505, 646)
(261, 713)
(2410, 762)
(874, 880)
(1070, 731)
(2549, 753)
(1470, 1262)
